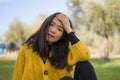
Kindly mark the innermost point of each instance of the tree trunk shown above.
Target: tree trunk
(105, 49)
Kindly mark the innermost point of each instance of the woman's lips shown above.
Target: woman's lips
(51, 36)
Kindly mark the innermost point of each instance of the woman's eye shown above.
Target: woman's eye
(51, 24)
(60, 30)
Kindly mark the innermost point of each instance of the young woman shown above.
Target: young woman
(51, 52)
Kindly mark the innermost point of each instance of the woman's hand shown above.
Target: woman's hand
(65, 22)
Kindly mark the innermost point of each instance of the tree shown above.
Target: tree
(38, 22)
(19, 32)
(16, 32)
(77, 13)
(106, 21)
(103, 19)
(29, 30)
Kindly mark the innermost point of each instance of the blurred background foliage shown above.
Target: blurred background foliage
(19, 32)
(97, 22)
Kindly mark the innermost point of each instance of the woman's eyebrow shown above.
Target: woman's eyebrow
(60, 27)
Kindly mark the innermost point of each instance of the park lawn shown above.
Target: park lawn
(6, 68)
(104, 70)
(107, 70)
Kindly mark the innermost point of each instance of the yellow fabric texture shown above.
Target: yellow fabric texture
(29, 66)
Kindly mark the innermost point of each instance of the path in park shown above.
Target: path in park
(110, 56)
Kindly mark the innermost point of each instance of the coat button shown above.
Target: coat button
(46, 72)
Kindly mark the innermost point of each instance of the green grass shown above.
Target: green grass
(6, 68)
(104, 70)
(107, 70)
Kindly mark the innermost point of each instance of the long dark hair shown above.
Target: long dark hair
(59, 50)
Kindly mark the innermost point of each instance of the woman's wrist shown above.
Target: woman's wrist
(69, 31)
(73, 38)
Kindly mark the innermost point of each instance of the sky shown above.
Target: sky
(27, 11)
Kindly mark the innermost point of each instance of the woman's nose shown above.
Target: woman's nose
(53, 29)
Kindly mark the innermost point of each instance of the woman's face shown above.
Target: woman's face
(55, 31)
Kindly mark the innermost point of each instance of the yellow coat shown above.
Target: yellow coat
(29, 66)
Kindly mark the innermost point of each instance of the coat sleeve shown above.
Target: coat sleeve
(19, 64)
(78, 52)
